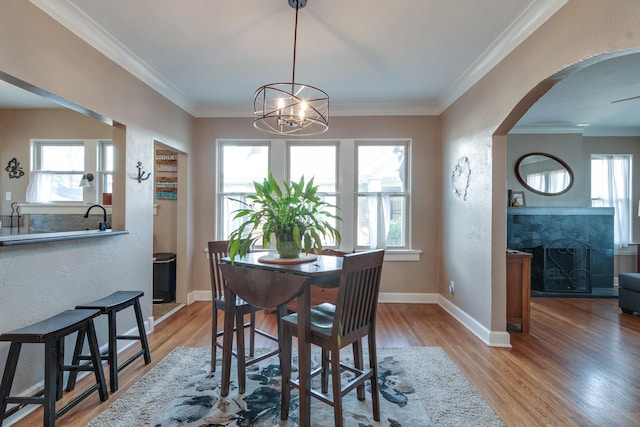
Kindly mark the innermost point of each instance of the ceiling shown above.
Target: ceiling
(372, 57)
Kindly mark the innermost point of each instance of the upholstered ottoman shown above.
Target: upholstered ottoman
(629, 292)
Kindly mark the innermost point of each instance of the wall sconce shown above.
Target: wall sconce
(141, 173)
(86, 180)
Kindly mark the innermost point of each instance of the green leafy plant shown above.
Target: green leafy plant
(293, 214)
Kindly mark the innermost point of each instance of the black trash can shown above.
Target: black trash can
(164, 277)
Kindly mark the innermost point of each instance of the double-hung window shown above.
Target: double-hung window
(611, 187)
(57, 169)
(368, 180)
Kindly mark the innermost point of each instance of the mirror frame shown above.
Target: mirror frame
(551, 156)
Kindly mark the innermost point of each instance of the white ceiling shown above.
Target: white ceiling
(371, 56)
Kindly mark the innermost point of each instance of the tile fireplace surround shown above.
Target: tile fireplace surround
(572, 249)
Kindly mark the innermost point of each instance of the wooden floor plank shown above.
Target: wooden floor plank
(580, 366)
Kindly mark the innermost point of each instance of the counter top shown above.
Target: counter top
(27, 239)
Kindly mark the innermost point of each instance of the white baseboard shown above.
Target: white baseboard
(491, 338)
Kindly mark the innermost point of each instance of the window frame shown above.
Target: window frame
(92, 164)
(346, 182)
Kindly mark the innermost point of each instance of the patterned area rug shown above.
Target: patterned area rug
(419, 386)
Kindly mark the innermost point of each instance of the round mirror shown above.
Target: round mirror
(544, 174)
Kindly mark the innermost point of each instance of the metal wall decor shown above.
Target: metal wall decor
(143, 175)
(14, 169)
(460, 177)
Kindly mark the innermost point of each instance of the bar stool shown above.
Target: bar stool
(51, 332)
(110, 306)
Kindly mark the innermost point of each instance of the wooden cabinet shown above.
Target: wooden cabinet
(518, 290)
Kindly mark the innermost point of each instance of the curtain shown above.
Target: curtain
(39, 187)
(378, 214)
(616, 192)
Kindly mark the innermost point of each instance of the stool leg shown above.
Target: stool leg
(96, 361)
(113, 352)
(59, 364)
(142, 332)
(51, 348)
(7, 377)
(73, 374)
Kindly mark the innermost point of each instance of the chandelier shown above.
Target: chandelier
(291, 108)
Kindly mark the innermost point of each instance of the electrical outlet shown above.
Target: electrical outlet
(452, 288)
(7, 196)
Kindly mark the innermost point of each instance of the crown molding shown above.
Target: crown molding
(530, 20)
(551, 128)
(335, 110)
(76, 21)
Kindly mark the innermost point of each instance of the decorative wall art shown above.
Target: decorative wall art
(166, 161)
(14, 169)
(516, 199)
(167, 187)
(460, 177)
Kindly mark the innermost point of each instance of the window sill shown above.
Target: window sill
(55, 208)
(402, 255)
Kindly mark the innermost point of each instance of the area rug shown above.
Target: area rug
(419, 387)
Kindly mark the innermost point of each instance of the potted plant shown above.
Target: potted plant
(294, 215)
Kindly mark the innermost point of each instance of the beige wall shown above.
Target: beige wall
(474, 232)
(408, 277)
(41, 280)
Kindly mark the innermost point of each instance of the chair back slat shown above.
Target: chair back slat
(217, 250)
(358, 292)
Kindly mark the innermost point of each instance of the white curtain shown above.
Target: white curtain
(378, 206)
(615, 174)
(39, 188)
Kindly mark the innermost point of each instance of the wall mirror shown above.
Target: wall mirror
(544, 174)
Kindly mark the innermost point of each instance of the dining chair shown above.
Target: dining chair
(217, 251)
(334, 327)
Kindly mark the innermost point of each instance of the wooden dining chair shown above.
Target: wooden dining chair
(217, 251)
(334, 327)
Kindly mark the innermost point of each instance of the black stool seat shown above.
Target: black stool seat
(110, 306)
(51, 332)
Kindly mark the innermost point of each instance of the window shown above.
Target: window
(611, 187)
(57, 167)
(367, 179)
(382, 195)
(56, 172)
(239, 165)
(106, 166)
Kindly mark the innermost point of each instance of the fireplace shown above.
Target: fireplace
(561, 266)
(572, 249)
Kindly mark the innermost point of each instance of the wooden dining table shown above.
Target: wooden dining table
(323, 271)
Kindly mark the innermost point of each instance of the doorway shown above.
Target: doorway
(169, 229)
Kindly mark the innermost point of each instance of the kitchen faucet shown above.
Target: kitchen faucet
(101, 225)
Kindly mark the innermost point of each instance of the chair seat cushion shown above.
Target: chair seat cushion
(629, 281)
(321, 318)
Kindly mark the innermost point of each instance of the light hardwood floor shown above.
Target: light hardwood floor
(580, 366)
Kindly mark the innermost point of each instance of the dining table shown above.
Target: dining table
(321, 270)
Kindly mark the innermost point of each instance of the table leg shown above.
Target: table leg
(304, 356)
(227, 339)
